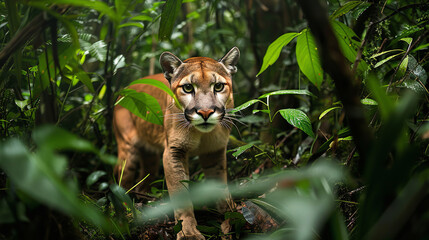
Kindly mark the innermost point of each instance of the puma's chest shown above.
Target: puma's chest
(196, 143)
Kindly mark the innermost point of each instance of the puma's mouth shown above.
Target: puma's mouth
(205, 127)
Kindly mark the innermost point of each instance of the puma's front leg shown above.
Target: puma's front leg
(176, 174)
(214, 167)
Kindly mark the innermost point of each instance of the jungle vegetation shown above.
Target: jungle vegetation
(331, 138)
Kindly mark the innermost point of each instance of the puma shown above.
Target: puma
(201, 127)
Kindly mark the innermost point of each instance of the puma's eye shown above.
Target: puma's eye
(219, 87)
(188, 88)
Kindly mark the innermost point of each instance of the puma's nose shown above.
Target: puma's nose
(205, 113)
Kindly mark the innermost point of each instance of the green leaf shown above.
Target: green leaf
(241, 149)
(121, 6)
(47, 70)
(417, 71)
(41, 177)
(178, 227)
(298, 119)
(99, 6)
(348, 43)
(308, 58)
(360, 9)
(263, 110)
(94, 177)
(120, 194)
(403, 67)
(160, 85)
(274, 50)
(55, 138)
(289, 91)
(385, 104)
(83, 77)
(102, 92)
(142, 18)
(98, 50)
(246, 105)
(345, 9)
(118, 62)
(142, 105)
(407, 40)
(327, 111)
(168, 17)
(132, 24)
(388, 51)
(369, 101)
(207, 229)
(386, 60)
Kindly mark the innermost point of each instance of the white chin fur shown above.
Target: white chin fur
(205, 128)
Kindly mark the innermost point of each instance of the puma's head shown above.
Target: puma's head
(202, 85)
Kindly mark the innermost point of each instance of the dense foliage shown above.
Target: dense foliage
(331, 139)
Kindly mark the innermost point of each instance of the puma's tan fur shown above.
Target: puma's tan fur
(201, 128)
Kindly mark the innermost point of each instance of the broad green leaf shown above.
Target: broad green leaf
(345, 9)
(159, 85)
(407, 40)
(274, 50)
(121, 195)
(242, 149)
(59, 139)
(369, 101)
(142, 105)
(403, 67)
(386, 60)
(83, 77)
(168, 17)
(121, 6)
(246, 105)
(22, 104)
(290, 91)
(94, 177)
(327, 111)
(47, 69)
(308, 58)
(40, 176)
(349, 46)
(417, 71)
(298, 119)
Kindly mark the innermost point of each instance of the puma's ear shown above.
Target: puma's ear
(169, 63)
(230, 60)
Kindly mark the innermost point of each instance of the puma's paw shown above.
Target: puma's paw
(226, 228)
(195, 235)
(189, 231)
